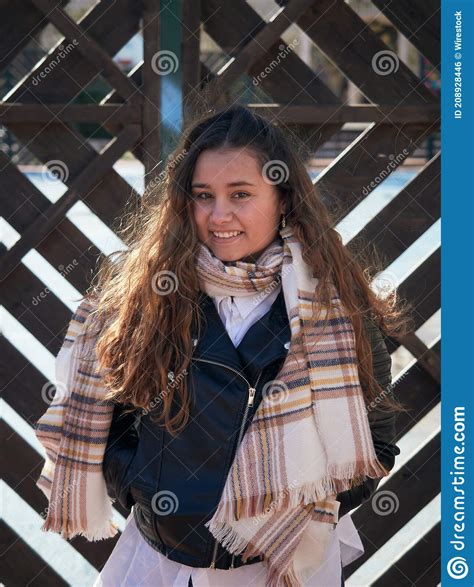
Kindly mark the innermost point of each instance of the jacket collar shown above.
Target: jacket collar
(263, 342)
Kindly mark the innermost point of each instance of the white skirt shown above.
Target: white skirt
(134, 563)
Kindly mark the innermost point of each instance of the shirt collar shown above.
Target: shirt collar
(245, 304)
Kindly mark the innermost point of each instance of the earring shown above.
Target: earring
(283, 221)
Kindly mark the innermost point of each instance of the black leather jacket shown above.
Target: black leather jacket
(175, 484)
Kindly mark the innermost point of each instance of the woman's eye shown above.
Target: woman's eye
(203, 195)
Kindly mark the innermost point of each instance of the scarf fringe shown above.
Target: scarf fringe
(223, 532)
(103, 528)
(275, 578)
(340, 478)
(69, 530)
(227, 536)
(235, 544)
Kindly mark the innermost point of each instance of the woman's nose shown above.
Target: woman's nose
(221, 211)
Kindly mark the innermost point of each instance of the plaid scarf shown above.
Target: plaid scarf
(309, 438)
(74, 431)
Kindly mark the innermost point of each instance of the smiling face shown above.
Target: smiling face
(230, 195)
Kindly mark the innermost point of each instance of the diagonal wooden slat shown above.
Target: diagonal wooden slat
(56, 141)
(262, 41)
(293, 83)
(22, 466)
(422, 289)
(91, 50)
(18, 25)
(111, 23)
(422, 394)
(426, 358)
(399, 224)
(419, 391)
(337, 29)
(21, 565)
(351, 45)
(36, 308)
(77, 189)
(419, 22)
(65, 247)
(415, 208)
(341, 183)
(17, 373)
(413, 486)
(420, 566)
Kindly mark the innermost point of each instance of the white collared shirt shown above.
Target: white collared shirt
(239, 313)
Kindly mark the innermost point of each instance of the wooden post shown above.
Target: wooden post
(151, 120)
(162, 84)
(191, 63)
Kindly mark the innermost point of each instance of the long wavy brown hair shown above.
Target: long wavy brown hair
(144, 335)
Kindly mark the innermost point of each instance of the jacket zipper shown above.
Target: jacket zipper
(251, 391)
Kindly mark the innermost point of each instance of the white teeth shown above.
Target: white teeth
(226, 234)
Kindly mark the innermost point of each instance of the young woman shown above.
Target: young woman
(241, 348)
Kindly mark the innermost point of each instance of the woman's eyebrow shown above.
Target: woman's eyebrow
(231, 184)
